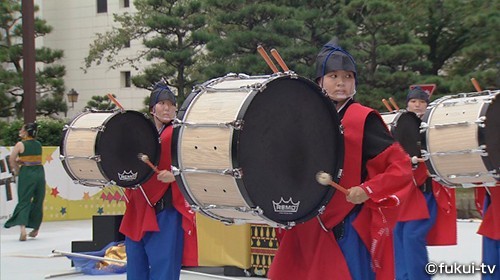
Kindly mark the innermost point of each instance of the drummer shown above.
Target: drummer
(428, 217)
(352, 238)
(158, 226)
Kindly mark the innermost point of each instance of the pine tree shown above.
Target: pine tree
(173, 35)
(49, 77)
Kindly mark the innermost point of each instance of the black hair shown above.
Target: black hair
(31, 129)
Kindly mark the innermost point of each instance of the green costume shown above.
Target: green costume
(30, 188)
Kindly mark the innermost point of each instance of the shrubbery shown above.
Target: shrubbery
(50, 132)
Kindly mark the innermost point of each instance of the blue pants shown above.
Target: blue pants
(355, 252)
(491, 252)
(410, 244)
(158, 255)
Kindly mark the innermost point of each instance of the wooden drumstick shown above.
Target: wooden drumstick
(326, 179)
(394, 104)
(266, 57)
(280, 60)
(145, 159)
(113, 99)
(387, 105)
(476, 85)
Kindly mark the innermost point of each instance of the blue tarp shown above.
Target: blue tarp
(88, 266)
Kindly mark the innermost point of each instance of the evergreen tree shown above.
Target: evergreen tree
(49, 77)
(387, 55)
(316, 23)
(172, 33)
(100, 103)
(238, 28)
(460, 41)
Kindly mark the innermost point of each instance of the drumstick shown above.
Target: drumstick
(387, 105)
(415, 159)
(476, 85)
(266, 57)
(394, 104)
(280, 60)
(145, 159)
(113, 99)
(326, 179)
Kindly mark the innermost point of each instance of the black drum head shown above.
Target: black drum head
(125, 136)
(291, 131)
(407, 133)
(492, 135)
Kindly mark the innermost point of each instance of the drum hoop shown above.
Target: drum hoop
(235, 136)
(481, 138)
(426, 118)
(62, 146)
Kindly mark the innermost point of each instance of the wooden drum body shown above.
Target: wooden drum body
(101, 148)
(247, 149)
(462, 139)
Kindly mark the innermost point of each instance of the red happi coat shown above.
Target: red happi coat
(490, 226)
(444, 230)
(309, 252)
(140, 217)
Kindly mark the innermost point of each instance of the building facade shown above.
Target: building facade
(75, 26)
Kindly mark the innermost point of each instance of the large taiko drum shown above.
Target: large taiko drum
(405, 128)
(248, 148)
(101, 148)
(462, 139)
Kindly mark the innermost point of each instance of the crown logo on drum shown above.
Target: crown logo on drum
(127, 176)
(286, 206)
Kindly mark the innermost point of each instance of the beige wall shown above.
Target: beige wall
(75, 25)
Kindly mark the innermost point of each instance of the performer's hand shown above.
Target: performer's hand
(165, 176)
(416, 160)
(357, 195)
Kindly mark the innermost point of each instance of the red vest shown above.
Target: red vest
(490, 226)
(444, 230)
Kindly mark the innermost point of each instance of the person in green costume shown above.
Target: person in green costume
(26, 162)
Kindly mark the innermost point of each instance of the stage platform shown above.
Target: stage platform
(32, 259)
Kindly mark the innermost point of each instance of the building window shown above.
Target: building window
(126, 3)
(127, 44)
(126, 80)
(102, 6)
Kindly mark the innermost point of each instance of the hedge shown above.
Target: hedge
(49, 132)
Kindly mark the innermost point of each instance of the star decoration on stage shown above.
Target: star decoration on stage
(100, 211)
(63, 211)
(86, 196)
(48, 158)
(54, 192)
